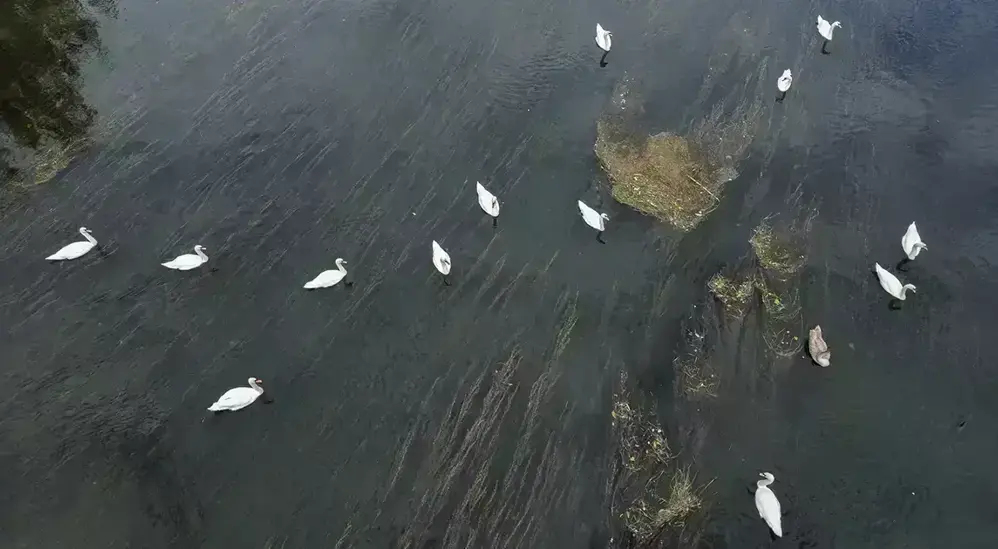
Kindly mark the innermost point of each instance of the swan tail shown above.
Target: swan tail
(54, 257)
(215, 408)
(311, 285)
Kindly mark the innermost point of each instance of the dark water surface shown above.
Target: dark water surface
(283, 135)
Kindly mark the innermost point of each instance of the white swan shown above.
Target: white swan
(825, 29)
(328, 278)
(187, 262)
(76, 249)
(891, 284)
(911, 243)
(441, 260)
(488, 202)
(238, 398)
(594, 219)
(603, 38)
(767, 504)
(784, 82)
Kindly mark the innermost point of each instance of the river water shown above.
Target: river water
(407, 413)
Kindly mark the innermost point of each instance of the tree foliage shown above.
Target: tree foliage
(42, 45)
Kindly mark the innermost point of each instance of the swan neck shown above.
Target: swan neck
(200, 253)
(339, 265)
(256, 387)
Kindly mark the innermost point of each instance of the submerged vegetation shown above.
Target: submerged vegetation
(649, 516)
(657, 492)
(44, 118)
(776, 250)
(641, 441)
(734, 295)
(696, 377)
(774, 281)
(657, 501)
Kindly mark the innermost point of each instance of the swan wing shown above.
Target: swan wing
(816, 343)
(591, 216)
(785, 81)
(441, 259)
(769, 509)
(602, 38)
(824, 28)
(184, 262)
(487, 201)
(326, 279)
(908, 241)
(818, 348)
(72, 251)
(888, 281)
(235, 399)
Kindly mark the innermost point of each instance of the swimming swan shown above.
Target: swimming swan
(818, 348)
(767, 504)
(488, 202)
(238, 398)
(891, 284)
(187, 262)
(441, 260)
(826, 30)
(784, 82)
(911, 243)
(603, 38)
(594, 219)
(76, 249)
(328, 278)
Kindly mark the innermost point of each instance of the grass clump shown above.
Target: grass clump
(654, 495)
(647, 517)
(664, 175)
(642, 443)
(776, 252)
(735, 296)
(683, 498)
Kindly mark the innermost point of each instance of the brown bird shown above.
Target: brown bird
(818, 348)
